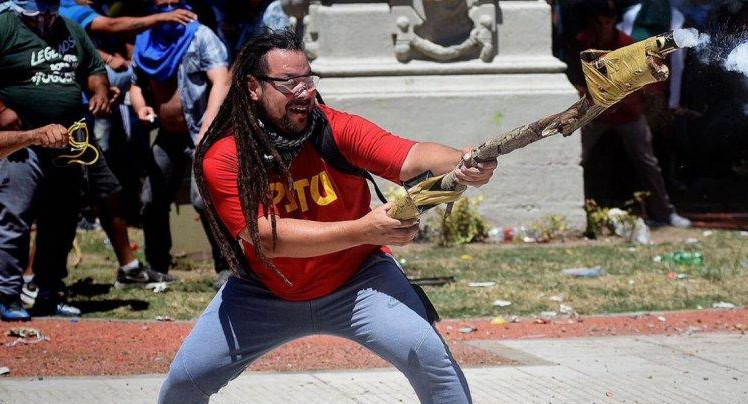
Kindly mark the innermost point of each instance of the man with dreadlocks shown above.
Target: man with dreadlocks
(309, 256)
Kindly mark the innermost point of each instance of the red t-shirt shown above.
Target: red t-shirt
(324, 194)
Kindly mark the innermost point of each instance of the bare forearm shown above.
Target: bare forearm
(98, 84)
(136, 98)
(126, 25)
(218, 91)
(10, 141)
(426, 156)
(305, 238)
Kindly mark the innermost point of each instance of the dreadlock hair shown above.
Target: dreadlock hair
(238, 117)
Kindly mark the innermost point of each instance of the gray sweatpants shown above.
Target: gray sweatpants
(377, 308)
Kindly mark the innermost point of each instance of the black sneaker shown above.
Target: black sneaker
(142, 277)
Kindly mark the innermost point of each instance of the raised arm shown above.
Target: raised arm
(136, 25)
(440, 160)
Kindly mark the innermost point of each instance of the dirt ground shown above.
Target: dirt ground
(100, 347)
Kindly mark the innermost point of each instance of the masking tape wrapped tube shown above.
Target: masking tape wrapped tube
(610, 77)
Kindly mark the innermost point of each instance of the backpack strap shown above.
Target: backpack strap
(324, 143)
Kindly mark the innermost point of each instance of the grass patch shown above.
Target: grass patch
(525, 274)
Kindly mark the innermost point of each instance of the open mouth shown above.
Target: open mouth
(299, 109)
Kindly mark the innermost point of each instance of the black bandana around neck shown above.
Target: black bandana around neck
(289, 147)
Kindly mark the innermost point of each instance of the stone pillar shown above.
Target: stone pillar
(456, 72)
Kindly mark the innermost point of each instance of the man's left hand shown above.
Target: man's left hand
(475, 176)
(99, 105)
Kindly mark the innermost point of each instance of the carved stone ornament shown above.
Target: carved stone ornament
(444, 30)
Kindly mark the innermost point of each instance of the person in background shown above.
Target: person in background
(661, 100)
(239, 21)
(625, 118)
(45, 60)
(180, 78)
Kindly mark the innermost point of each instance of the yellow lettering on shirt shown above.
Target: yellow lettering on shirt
(299, 187)
(330, 195)
(281, 193)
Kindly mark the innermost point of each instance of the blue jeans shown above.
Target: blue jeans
(378, 308)
(33, 189)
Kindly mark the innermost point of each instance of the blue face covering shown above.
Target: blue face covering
(35, 7)
(159, 50)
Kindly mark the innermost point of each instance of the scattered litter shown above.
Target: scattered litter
(662, 318)
(723, 305)
(683, 258)
(657, 258)
(566, 310)
(163, 318)
(514, 319)
(691, 240)
(707, 233)
(540, 320)
(158, 287)
(435, 281)
(481, 284)
(631, 282)
(744, 233)
(75, 320)
(501, 303)
(593, 272)
(468, 330)
(23, 332)
(466, 257)
(24, 336)
(699, 307)
(556, 298)
(676, 276)
(609, 394)
(403, 261)
(632, 249)
(740, 327)
(548, 314)
(4, 371)
(631, 228)
(498, 320)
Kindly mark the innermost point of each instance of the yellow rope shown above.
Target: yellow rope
(79, 146)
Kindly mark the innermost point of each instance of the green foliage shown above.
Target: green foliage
(549, 228)
(464, 225)
(600, 222)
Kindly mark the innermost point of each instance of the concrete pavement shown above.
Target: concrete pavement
(699, 368)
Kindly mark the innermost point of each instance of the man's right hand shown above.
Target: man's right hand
(146, 114)
(50, 136)
(180, 16)
(9, 120)
(380, 229)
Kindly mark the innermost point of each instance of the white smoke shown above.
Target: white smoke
(690, 38)
(737, 60)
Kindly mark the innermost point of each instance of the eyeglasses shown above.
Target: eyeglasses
(293, 85)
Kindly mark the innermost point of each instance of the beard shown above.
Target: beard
(286, 124)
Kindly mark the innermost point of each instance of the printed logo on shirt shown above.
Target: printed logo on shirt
(317, 189)
(62, 65)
